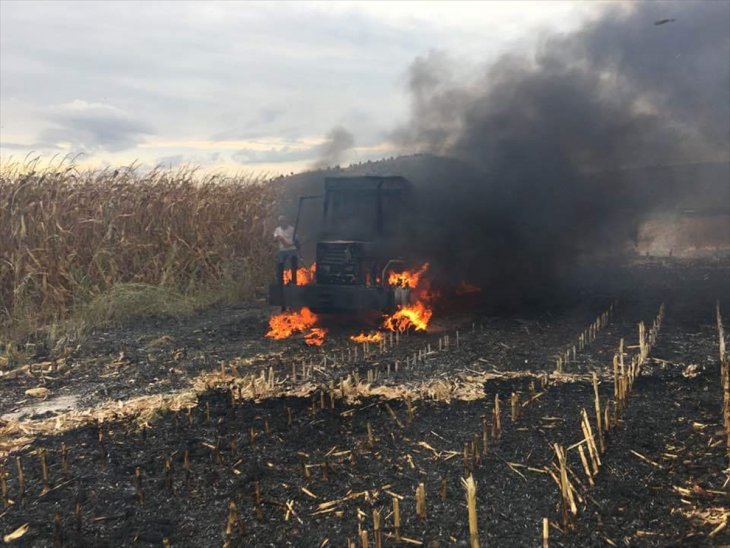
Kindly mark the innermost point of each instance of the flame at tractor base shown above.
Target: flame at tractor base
(305, 276)
(286, 324)
(414, 316)
(407, 278)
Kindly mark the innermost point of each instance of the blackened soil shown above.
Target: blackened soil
(358, 457)
(674, 422)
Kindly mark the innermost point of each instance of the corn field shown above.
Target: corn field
(68, 235)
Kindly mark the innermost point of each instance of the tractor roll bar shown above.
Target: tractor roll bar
(299, 212)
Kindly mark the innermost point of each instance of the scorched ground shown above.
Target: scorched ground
(202, 432)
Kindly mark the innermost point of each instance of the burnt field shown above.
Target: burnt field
(201, 432)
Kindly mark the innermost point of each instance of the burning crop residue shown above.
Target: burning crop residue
(374, 337)
(286, 324)
(305, 276)
(315, 336)
(417, 315)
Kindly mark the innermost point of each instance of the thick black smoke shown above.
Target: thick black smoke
(554, 142)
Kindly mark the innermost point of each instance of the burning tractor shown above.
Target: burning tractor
(358, 268)
(357, 262)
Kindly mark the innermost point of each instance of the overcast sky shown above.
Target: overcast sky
(235, 85)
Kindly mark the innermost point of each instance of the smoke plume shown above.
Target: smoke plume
(339, 140)
(557, 142)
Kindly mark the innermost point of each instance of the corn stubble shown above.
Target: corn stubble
(596, 443)
(724, 375)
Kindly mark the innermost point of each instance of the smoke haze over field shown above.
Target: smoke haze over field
(550, 138)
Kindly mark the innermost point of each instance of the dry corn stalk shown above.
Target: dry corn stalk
(725, 367)
(515, 406)
(586, 466)
(720, 332)
(371, 436)
(496, 419)
(233, 520)
(421, 501)
(65, 233)
(599, 428)
(569, 507)
(377, 533)
(21, 477)
(621, 355)
(590, 441)
(396, 518)
(724, 376)
(4, 486)
(471, 503)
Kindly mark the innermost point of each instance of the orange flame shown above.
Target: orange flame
(407, 278)
(315, 337)
(374, 337)
(305, 276)
(414, 316)
(417, 315)
(286, 324)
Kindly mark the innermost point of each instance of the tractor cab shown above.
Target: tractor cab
(357, 243)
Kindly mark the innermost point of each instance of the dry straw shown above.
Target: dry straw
(15, 435)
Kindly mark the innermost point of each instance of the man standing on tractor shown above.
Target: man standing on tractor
(284, 236)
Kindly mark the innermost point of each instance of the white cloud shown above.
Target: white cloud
(210, 72)
(88, 127)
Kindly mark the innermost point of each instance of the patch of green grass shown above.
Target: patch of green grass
(127, 302)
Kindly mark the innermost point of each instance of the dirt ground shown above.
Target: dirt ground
(325, 451)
